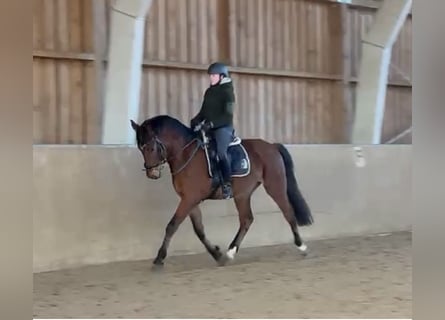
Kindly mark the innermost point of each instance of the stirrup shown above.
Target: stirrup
(227, 191)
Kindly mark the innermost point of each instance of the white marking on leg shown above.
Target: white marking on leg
(231, 253)
(303, 247)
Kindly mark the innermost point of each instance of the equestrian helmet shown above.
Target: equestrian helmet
(218, 68)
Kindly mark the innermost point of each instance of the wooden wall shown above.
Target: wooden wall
(64, 89)
(289, 61)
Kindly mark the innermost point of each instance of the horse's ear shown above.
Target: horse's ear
(134, 125)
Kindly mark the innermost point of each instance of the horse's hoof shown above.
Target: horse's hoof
(217, 254)
(304, 250)
(222, 261)
(157, 266)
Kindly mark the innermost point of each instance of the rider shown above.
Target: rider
(217, 109)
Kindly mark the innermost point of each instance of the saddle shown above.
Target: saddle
(237, 154)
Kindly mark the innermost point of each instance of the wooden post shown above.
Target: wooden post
(100, 51)
(223, 30)
(346, 62)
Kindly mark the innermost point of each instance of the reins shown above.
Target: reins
(166, 159)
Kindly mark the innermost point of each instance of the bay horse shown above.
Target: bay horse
(163, 139)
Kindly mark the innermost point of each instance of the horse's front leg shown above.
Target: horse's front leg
(184, 208)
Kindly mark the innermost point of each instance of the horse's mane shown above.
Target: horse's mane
(164, 122)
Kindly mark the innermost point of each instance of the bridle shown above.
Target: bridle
(162, 153)
(160, 148)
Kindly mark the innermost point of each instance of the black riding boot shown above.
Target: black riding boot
(226, 175)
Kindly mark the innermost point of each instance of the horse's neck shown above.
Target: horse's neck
(179, 149)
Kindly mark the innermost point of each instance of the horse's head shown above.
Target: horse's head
(152, 149)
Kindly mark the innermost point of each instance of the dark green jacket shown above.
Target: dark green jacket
(217, 106)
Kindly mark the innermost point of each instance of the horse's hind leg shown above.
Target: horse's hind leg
(196, 218)
(277, 190)
(245, 220)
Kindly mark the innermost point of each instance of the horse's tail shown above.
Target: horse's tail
(301, 209)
